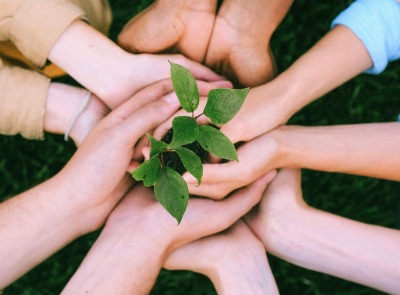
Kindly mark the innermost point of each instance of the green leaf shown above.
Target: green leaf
(156, 146)
(214, 141)
(148, 171)
(185, 87)
(185, 131)
(223, 104)
(192, 162)
(172, 192)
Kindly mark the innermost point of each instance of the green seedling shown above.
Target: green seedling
(222, 105)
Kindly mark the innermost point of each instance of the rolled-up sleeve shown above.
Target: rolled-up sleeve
(377, 24)
(23, 96)
(35, 25)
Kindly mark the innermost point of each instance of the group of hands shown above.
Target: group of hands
(110, 135)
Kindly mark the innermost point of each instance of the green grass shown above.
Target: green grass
(24, 164)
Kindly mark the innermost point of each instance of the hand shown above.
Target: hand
(105, 155)
(234, 260)
(281, 204)
(235, 42)
(139, 234)
(80, 197)
(140, 209)
(172, 26)
(324, 242)
(256, 158)
(108, 71)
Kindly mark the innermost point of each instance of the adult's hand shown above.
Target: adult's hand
(140, 234)
(37, 223)
(111, 73)
(234, 260)
(351, 250)
(234, 41)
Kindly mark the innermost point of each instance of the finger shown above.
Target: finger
(140, 145)
(218, 180)
(146, 152)
(145, 119)
(145, 96)
(199, 71)
(133, 166)
(145, 33)
(228, 210)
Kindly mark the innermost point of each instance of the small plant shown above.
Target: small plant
(222, 105)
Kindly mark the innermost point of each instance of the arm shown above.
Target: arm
(362, 253)
(110, 72)
(234, 260)
(140, 234)
(361, 149)
(272, 104)
(62, 103)
(364, 38)
(78, 199)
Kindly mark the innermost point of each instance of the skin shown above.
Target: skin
(233, 41)
(139, 234)
(61, 104)
(234, 260)
(343, 148)
(37, 223)
(307, 79)
(324, 242)
(119, 76)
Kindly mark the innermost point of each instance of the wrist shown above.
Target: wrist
(63, 101)
(285, 151)
(244, 270)
(93, 60)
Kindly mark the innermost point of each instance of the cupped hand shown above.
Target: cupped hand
(171, 26)
(281, 203)
(256, 158)
(210, 253)
(102, 160)
(139, 211)
(234, 42)
(234, 260)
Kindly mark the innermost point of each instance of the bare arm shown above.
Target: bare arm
(290, 229)
(361, 149)
(111, 73)
(140, 234)
(335, 59)
(36, 223)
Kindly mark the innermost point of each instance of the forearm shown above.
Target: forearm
(120, 262)
(351, 250)
(37, 223)
(34, 225)
(335, 59)
(361, 149)
(94, 61)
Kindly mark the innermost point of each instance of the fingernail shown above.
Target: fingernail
(171, 98)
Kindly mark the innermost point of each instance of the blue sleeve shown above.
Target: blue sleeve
(377, 24)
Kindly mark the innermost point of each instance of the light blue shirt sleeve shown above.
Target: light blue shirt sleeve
(377, 24)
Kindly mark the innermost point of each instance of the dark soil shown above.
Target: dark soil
(173, 161)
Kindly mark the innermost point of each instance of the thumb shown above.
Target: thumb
(147, 118)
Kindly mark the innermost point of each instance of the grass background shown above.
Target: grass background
(24, 164)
